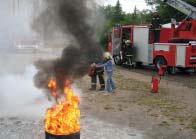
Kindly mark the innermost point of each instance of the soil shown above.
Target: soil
(170, 114)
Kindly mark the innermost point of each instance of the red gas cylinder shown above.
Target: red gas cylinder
(154, 85)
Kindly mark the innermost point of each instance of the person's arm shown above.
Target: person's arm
(102, 65)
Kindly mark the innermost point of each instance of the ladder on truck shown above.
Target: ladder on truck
(183, 7)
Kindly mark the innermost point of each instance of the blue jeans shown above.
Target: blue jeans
(110, 86)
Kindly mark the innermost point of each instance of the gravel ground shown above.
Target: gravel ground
(17, 128)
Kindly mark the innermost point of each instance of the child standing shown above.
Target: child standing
(108, 66)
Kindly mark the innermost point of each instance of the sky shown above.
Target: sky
(128, 5)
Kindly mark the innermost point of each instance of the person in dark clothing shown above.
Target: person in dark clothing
(98, 72)
(156, 26)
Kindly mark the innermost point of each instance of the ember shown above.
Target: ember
(62, 120)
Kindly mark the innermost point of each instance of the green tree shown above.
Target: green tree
(166, 12)
(145, 16)
(135, 16)
(118, 14)
(107, 11)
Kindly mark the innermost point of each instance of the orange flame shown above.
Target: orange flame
(63, 118)
(53, 87)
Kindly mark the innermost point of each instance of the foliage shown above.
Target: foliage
(118, 14)
(165, 11)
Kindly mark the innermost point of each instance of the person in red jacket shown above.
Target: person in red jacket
(95, 72)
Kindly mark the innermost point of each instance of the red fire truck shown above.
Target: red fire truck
(134, 44)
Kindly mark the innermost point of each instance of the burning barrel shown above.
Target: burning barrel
(72, 136)
(62, 119)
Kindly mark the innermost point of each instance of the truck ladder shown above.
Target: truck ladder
(183, 7)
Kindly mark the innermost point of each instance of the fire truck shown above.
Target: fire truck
(176, 49)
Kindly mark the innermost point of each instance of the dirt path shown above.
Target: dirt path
(169, 114)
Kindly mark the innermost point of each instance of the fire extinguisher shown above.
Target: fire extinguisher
(155, 84)
(157, 79)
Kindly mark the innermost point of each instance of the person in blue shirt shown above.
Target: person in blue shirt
(108, 66)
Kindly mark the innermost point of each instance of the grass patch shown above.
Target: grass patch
(164, 123)
(124, 83)
(166, 106)
(193, 124)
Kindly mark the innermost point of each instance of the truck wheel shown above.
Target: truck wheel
(117, 60)
(160, 61)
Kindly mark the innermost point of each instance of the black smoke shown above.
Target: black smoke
(70, 17)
